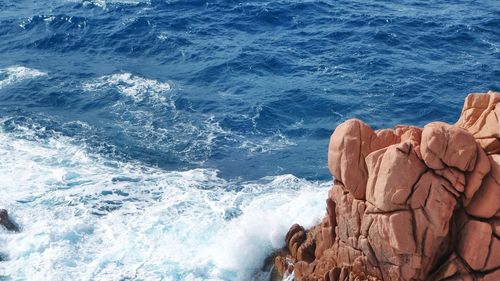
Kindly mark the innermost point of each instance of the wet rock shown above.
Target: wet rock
(408, 203)
(6, 222)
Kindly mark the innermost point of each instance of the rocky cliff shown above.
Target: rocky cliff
(408, 203)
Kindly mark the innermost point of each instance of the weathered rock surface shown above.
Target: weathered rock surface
(408, 203)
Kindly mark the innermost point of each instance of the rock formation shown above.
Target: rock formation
(408, 203)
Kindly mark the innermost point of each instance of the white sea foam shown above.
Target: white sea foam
(277, 141)
(135, 87)
(85, 217)
(146, 110)
(163, 36)
(104, 3)
(16, 74)
(268, 210)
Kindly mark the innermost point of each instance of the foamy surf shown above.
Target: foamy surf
(104, 3)
(15, 74)
(135, 87)
(146, 110)
(87, 217)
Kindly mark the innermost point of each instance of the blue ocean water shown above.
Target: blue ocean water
(178, 140)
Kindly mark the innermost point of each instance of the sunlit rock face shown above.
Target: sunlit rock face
(408, 203)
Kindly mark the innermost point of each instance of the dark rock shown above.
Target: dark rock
(6, 222)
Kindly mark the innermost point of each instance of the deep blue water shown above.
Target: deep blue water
(238, 93)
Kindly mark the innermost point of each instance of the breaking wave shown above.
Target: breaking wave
(84, 216)
(15, 74)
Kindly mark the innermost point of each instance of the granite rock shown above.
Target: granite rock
(408, 203)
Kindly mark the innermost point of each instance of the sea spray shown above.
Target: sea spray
(86, 216)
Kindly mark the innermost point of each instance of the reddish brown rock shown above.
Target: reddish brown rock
(388, 190)
(480, 116)
(475, 239)
(485, 203)
(492, 276)
(349, 145)
(408, 203)
(446, 146)
(475, 178)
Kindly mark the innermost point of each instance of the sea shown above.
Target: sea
(179, 140)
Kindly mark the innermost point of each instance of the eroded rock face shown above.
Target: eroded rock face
(408, 203)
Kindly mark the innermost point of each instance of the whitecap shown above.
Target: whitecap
(163, 36)
(274, 142)
(135, 87)
(104, 3)
(15, 74)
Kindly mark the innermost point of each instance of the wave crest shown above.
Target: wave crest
(135, 87)
(15, 74)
